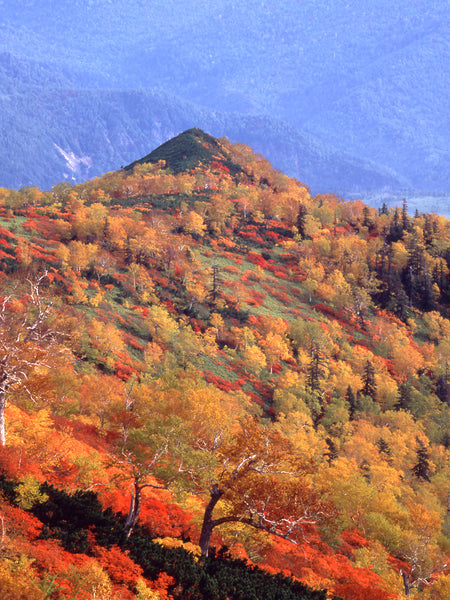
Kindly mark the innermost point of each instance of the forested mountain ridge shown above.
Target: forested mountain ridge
(216, 385)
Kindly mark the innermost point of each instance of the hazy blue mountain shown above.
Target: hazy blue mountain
(61, 133)
(370, 78)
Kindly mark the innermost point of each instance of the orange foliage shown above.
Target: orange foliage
(50, 556)
(161, 584)
(19, 523)
(319, 567)
(118, 565)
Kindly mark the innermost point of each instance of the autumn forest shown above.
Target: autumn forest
(215, 385)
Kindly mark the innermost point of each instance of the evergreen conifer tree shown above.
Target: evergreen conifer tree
(332, 452)
(365, 470)
(215, 287)
(351, 399)
(384, 449)
(301, 219)
(405, 218)
(422, 467)
(404, 396)
(315, 370)
(369, 385)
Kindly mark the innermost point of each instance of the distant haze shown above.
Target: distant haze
(350, 97)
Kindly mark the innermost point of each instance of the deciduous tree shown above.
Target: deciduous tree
(257, 481)
(25, 340)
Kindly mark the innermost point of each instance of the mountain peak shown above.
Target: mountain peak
(190, 149)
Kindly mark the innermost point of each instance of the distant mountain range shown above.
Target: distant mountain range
(347, 97)
(58, 132)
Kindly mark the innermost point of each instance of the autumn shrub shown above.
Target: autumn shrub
(85, 582)
(17, 581)
(118, 565)
(78, 519)
(232, 269)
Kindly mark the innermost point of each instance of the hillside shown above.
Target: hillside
(215, 385)
(365, 81)
(190, 150)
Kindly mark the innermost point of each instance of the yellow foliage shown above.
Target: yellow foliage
(275, 347)
(399, 255)
(63, 255)
(91, 579)
(169, 542)
(254, 359)
(298, 427)
(342, 376)
(193, 223)
(407, 360)
(97, 299)
(143, 592)
(105, 337)
(438, 590)
(28, 493)
(387, 390)
(18, 582)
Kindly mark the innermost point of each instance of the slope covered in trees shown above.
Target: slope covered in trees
(214, 383)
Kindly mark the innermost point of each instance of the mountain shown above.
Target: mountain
(189, 150)
(216, 385)
(368, 80)
(60, 132)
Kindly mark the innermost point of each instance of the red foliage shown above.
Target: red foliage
(228, 255)
(232, 269)
(256, 399)
(257, 298)
(317, 565)
(257, 259)
(14, 463)
(84, 432)
(356, 591)
(282, 297)
(20, 522)
(5, 233)
(5, 255)
(132, 341)
(339, 316)
(264, 390)
(223, 384)
(163, 519)
(256, 239)
(170, 307)
(4, 243)
(352, 539)
(160, 280)
(122, 371)
(158, 515)
(272, 236)
(218, 166)
(161, 584)
(51, 557)
(118, 565)
(278, 272)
